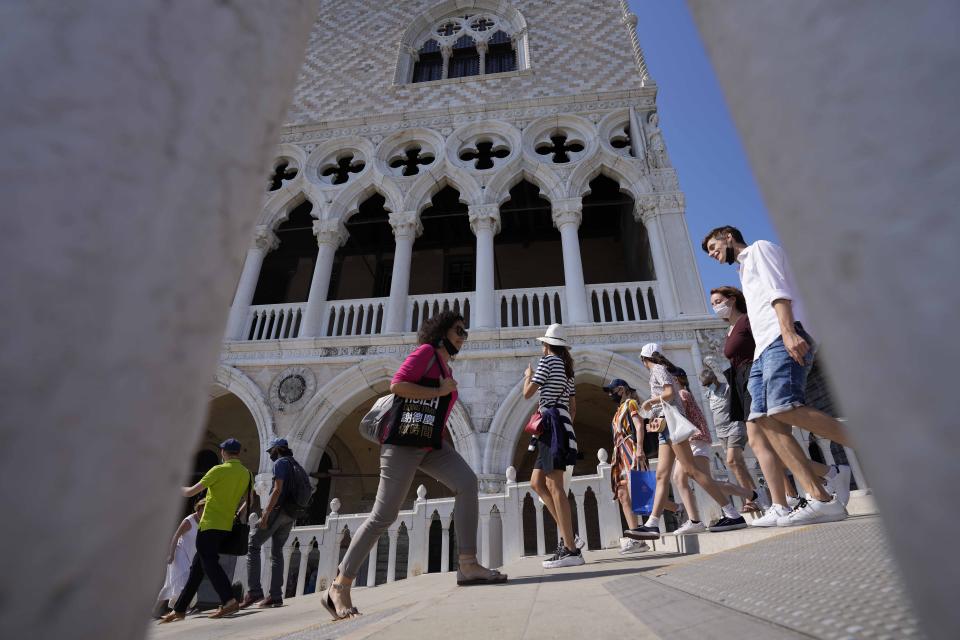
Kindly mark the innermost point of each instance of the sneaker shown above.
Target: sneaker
(793, 503)
(814, 511)
(643, 533)
(556, 552)
(270, 603)
(728, 524)
(250, 599)
(770, 516)
(579, 542)
(632, 546)
(689, 528)
(566, 558)
(839, 485)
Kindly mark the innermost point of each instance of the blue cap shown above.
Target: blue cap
(617, 382)
(231, 445)
(278, 442)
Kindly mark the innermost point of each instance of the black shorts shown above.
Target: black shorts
(739, 394)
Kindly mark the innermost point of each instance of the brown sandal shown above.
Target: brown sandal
(327, 603)
(225, 610)
(173, 616)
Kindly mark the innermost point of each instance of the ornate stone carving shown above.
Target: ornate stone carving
(291, 389)
(657, 150)
(482, 215)
(406, 223)
(711, 342)
(330, 232)
(567, 211)
(265, 239)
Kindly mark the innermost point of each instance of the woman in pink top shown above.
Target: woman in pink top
(425, 383)
(700, 447)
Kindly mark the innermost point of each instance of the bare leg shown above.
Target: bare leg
(788, 449)
(664, 467)
(538, 482)
(738, 468)
(623, 494)
(681, 481)
(728, 488)
(562, 505)
(705, 480)
(816, 422)
(770, 463)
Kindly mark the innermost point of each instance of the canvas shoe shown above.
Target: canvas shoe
(770, 516)
(566, 558)
(632, 546)
(643, 533)
(813, 512)
(689, 528)
(839, 485)
(728, 524)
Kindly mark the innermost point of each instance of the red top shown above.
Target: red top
(738, 348)
(415, 367)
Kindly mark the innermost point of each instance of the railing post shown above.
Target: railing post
(287, 554)
(406, 228)
(372, 564)
(567, 215)
(541, 547)
(392, 553)
(484, 541)
(264, 242)
(445, 545)
(578, 497)
(305, 549)
(331, 235)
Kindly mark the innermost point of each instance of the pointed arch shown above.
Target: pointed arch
(232, 380)
(430, 182)
(628, 175)
(550, 185)
(349, 200)
(592, 365)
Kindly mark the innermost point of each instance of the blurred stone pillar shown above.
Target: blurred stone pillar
(135, 142)
(848, 115)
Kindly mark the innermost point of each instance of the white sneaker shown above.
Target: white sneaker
(770, 516)
(565, 558)
(792, 502)
(814, 511)
(839, 485)
(632, 546)
(689, 528)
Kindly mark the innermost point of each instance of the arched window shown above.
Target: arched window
(465, 60)
(500, 54)
(463, 43)
(429, 65)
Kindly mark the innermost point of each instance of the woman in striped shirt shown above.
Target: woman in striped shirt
(557, 443)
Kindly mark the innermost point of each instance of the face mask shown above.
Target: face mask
(730, 258)
(722, 310)
(615, 397)
(274, 455)
(452, 350)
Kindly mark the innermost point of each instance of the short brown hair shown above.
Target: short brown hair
(719, 232)
(732, 292)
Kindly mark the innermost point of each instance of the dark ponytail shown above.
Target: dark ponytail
(564, 354)
(659, 358)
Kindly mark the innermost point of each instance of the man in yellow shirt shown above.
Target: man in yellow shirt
(226, 485)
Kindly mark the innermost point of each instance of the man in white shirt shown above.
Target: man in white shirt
(782, 360)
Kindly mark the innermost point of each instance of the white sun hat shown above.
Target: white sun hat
(649, 349)
(555, 335)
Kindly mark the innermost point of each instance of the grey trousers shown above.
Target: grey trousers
(397, 468)
(277, 532)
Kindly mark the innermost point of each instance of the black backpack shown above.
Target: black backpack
(297, 497)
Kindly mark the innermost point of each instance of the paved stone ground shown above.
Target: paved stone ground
(828, 581)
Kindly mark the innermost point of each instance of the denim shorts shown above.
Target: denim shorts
(777, 383)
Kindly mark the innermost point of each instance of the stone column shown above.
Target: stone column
(485, 223)
(482, 50)
(331, 235)
(406, 228)
(645, 211)
(446, 51)
(567, 215)
(265, 241)
(445, 546)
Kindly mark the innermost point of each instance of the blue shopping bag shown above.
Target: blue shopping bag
(643, 484)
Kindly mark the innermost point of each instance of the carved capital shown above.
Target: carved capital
(406, 223)
(672, 202)
(265, 239)
(645, 208)
(330, 232)
(446, 50)
(484, 216)
(483, 46)
(567, 211)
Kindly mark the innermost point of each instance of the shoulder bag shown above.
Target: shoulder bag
(236, 542)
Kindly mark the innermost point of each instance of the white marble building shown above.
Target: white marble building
(500, 158)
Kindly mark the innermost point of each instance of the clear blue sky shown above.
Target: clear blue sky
(700, 136)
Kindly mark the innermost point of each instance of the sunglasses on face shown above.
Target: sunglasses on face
(463, 333)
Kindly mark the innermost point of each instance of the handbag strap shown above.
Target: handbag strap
(249, 489)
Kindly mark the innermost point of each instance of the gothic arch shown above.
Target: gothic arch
(498, 190)
(430, 182)
(628, 175)
(593, 365)
(279, 206)
(349, 200)
(333, 402)
(233, 380)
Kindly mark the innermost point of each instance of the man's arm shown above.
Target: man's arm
(796, 346)
(189, 492)
(272, 502)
